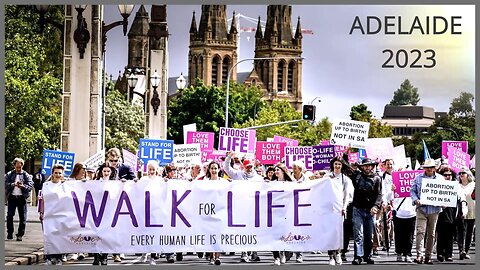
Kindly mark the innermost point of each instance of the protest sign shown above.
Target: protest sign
(237, 140)
(353, 157)
(205, 139)
(380, 148)
(460, 145)
(403, 181)
(186, 129)
(322, 155)
(96, 160)
(349, 133)
(197, 216)
(303, 153)
(457, 159)
(184, 154)
(52, 157)
(130, 159)
(215, 154)
(270, 152)
(160, 150)
(287, 141)
(399, 157)
(439, 192)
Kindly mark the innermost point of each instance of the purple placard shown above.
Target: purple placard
(288, 141)
(130, 159)
(461, 145)
(205, 139)
(322, 156)
(303, 153)
(458, 158)
(270, 152)
(403, 181)
(237, 140)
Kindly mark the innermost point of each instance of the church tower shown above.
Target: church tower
(213, 49)
(282, 76)
(138, 40)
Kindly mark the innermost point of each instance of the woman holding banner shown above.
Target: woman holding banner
(465, 226)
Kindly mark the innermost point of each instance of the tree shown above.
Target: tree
(405, 95)
(33, 85)
(360, 113)
(377, 130)
(124, 122)
(462, 107)
(205, 106)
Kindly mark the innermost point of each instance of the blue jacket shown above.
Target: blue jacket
(10, 179)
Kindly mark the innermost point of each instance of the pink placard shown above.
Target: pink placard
(353, 157)
(205, 139)
(270, 152)
(237, 140)
(380, 148)
(214, 155)
(288, 141)
(457, 158)
(461, 145)
(403, 181)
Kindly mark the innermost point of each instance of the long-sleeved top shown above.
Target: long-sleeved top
(405, 209)
(416, 189)
(387, 192)
(239, 174)
(467, 190)
(368, 191)
(343, 184)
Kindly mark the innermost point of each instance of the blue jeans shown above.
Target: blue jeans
(14, 203)
(362, 232)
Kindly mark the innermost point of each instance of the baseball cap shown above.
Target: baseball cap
(247, 163)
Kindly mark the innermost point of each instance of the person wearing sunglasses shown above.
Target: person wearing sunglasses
(114, 159)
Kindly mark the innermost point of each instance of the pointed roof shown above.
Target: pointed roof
(233, 27)
(140, 24)
(298, 32)
(193, 26)
(258, 33)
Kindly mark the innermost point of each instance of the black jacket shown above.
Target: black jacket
(368, 190)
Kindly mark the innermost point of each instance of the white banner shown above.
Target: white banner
(183, 216)
(439, 192)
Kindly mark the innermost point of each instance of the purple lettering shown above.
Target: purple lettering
(175, 210)
(147, 211)
(270, 206)
(296, 205)
(124, 197)
(257, 209)
(89, 202)
(230, 211)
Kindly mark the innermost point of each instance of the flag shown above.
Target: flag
(426, 154)
(472, 162)
(417, 165)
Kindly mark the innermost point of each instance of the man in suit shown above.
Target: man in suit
(114, 159)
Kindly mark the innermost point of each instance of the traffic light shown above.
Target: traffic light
(308, 112)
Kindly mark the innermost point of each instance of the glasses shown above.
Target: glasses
(462, 173)
(447, 174)
(114, 160)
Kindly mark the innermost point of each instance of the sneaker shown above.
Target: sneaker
(467, 256)
(104, 261)
(244, 258)
(212, 262)
(408, 259)
(449, 259)
(440, 258)
(116, 258)
(200, 255)
(277, 261)
(64, 256)
(47, 262)
(299, 259)
(331, 261)
(143, 258)
(96, 262)
(19, 238)
(344, 257)
(10, 236)
(122, 256)
(428, 261)
(218, 262)
(375, 254)
(179, 256)
(338, 260)
(357, 261)
(59, 262)
(152, 261)
(283, 259)
(419, 260)
(170, 259)
(255, 257)
(461, 256)
(74, 256)
(369, 261)
(81, 256)
(399, 258)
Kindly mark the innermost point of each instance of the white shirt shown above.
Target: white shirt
(16, 190)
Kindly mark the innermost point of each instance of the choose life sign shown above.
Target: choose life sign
(52, 157)
(160, 150)
(237, 140)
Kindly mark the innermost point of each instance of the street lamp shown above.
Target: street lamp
(132, 82)
(81, 35)
(125, 11)
(181, 82)
(155, 101)
(454, 132)
(228, 80)
(319, 100)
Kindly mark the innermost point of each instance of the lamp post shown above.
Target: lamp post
(155, 101)
(454, 132)
(132, 82)
(228, 80)
(181, 82)
(319, 100)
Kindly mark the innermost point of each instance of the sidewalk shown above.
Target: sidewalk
(30, 250)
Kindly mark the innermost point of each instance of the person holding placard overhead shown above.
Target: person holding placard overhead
(426, 215)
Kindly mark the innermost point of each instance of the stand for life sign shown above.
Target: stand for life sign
(160, 150)
(52, 157)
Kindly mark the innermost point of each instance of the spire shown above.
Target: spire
(259, 34)
(193, 26)
(275, 27)
(298, 32)
(233, 27)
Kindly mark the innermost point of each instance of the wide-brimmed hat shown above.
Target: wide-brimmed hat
(367, 161)
(429, 163)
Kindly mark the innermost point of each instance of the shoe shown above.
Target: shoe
(116, 258)
(288, 255)
(461, 256)
(344, 257)
(211, 262)
(152, 261)
(375, 254)
(143, 258)
(440, 258)
(299, 259)
(19, 238)
(357, 261)
(408, 259)
(231, 254)
(467, 256)
(338, 260)
(59, 262)
(255, 257)
(96, 262)
(384, 249)
(9, 236)
(170, 259)
(200, 255)
(81, 256)
(244, 258)
(428, 261)
(369, 260)
(122, 256)
(47, 262)
(331, 261)
(74, 256)
(104, 261)
(419, 260)
(277, 261)
(449, 259)
(64, 256)
(179, 256)
(283, 259)
(399, 258)
(218, 262)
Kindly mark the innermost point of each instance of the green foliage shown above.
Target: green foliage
(462, 107)
(125, 122)
(205, 106)
(33, 76)
(360, 113)
(405, 95)
(377, 130)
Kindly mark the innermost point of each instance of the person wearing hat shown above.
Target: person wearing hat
(426, 215)
(90, 173)
(367, 200)
(248, 173)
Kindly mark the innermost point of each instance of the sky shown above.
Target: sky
(343, 68)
